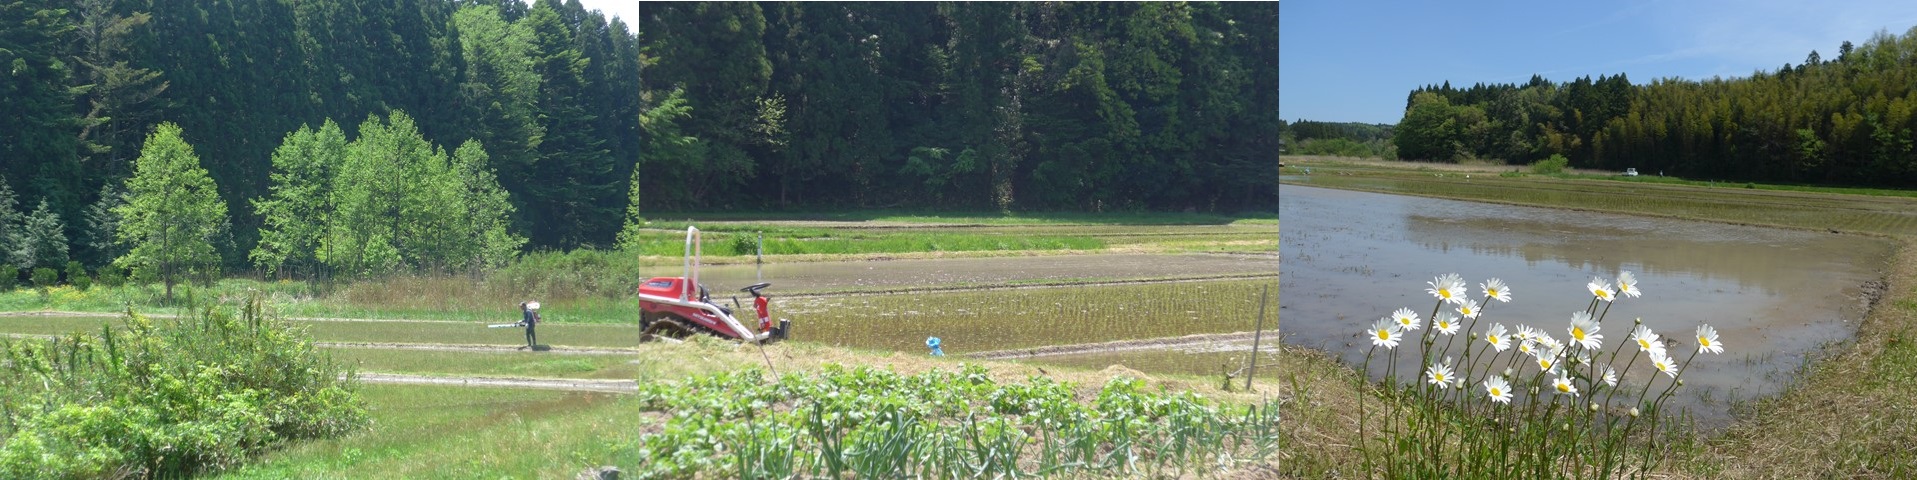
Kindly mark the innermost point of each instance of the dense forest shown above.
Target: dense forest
(546, 95)
(1350, 139)
(1095, 106)
(1848, 119)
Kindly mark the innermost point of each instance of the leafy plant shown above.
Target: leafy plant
(1553, 165)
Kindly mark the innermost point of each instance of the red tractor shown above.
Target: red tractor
(677, 307)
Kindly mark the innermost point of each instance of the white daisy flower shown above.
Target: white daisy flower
(1546, 362)
(1495, 289)
(1664, 364)
(1584, 331)
(1601, 290)
(1407, 319)
(1610, 376)
(1385, 334)
(1527, 347)
(1468, 308)
(1707, 339)
(1498, 389)
(1564, 387)
(1439, 375)
(1497, 338)
(1627, 285)
(1448, 287)
(1446, 323)
(1647, 340)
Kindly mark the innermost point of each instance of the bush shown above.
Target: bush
(77, 276)
(112, 277)
(1556, 164)
(9, 277)
(44, 279)
(167, 397)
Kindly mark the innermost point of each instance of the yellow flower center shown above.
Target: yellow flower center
(1445, 292)
(1496, 393)
(1645, 344)
(1577, 333)
(1564, 387)
(1704, 341)
(1438, 376)
(1492, 292)
(1384, 334)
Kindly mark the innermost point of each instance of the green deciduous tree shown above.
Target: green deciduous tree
(297, 213)
(400, 202)
(173, 212)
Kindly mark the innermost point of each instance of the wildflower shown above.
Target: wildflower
(1448, 287)
(1525, 332)
(1547, 362)
(1495, 335)
(1600, 289)
(1584, 331)
(1468, 308)
(1647, 341)
(1610, 376)
(1498, 389)
(1446, 324)
(1384, 334)
(1564, 387)
(1407, 319)
(1707, 339)
(1664, 364)
(1494, 289)
(1545, 342)
(1439, 375)
(1527, 347)
(1634, 411)
(1627, 284)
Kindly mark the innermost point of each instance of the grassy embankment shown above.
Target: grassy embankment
(1848, 415)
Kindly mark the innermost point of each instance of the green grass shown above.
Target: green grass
(569, 335)
(974, 218)
(489, 364)
(457, 432)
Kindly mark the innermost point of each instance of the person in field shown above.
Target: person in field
(529, 313)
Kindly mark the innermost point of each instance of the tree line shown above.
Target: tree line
(1843, 120)
(982, 106)
(1348, 139)
(546, 91)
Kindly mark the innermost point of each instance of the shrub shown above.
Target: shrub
(9, 277)
(77, 276)
(167, 397)
(112, 277)
(1556, 164)
(44, 279)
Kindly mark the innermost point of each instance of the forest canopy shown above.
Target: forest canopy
(1087, 106)
(1846, 119)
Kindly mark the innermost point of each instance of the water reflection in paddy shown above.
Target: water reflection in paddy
(1774, 295)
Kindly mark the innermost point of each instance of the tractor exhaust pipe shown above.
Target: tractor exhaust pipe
(691, 260)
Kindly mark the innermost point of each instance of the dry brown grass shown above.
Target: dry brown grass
(1853, 415)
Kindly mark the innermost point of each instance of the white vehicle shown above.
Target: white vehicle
(1630, 172)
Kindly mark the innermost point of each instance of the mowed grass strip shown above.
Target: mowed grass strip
(573, 335)
(461, 432)
(488, 364)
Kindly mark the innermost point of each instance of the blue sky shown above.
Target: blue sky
(1356, 61)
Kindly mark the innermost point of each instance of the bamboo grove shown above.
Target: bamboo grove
(1846, 119)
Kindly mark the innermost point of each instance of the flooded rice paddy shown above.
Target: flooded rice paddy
(1775, 296)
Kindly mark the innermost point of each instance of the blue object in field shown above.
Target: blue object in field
(933, 343)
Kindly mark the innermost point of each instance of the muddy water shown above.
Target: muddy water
(828, 276)
(1775, 296)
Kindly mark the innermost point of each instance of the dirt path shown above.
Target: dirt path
(610, 386)
(1215, 342)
